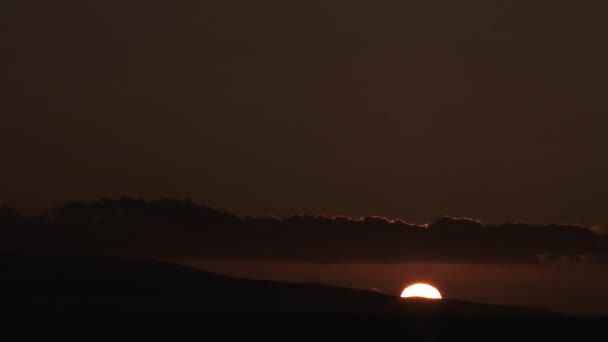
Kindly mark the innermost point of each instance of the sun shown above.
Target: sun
(421, 290)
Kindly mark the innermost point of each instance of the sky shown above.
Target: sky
(488, 109)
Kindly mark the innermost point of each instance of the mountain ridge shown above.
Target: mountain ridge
(114, 284)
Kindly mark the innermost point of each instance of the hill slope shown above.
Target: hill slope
(79, 283)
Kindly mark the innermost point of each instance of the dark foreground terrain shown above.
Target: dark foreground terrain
(101, 298)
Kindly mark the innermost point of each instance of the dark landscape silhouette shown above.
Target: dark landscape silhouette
(98, 257)
(104, 284)
(208, 305)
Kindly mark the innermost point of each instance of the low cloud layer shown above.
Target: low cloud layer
(178, 229)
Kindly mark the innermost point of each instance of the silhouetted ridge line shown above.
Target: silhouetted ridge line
(93, 283)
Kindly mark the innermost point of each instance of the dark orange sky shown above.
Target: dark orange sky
(568, 288)
(488, 109)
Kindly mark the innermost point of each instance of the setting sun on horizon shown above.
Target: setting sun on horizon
(421, 290)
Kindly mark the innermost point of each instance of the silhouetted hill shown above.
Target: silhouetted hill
(79, 283)
(112, 299)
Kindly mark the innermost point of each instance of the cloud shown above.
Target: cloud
(182, 229)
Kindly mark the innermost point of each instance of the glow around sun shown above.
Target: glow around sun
(421, 290)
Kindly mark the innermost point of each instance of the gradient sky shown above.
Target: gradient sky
(413, 109)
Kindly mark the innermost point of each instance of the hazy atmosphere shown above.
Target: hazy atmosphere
(486, 109)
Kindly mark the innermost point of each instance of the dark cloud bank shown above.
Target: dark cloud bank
(182, 229)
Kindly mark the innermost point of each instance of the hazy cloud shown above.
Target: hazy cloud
(180, 228)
